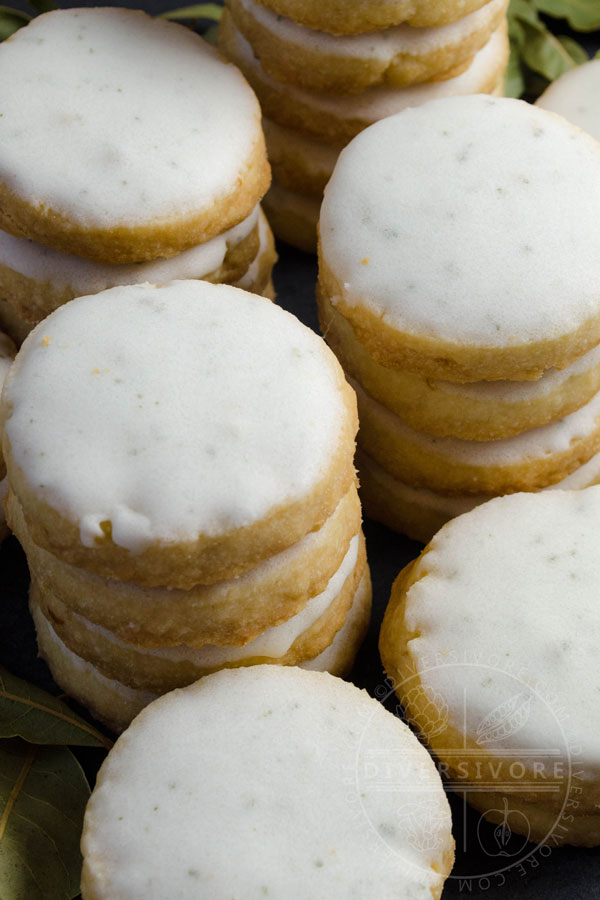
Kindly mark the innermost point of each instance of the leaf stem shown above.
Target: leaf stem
(106, 742)
(18, 785)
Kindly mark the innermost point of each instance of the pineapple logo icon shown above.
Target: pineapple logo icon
(432, 718)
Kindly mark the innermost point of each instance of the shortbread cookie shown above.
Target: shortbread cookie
(341, 17)
(279, 740)
(123, 137)
(11, 323)
(293, 217)
(257, 277)
(300, 161)
(400, 56)
(237, 445)
(526, 462)
(302, 637)
(467, 289)
(35, 279)
(481, 410)
(420, 512)
(339, 117)
(229, 612)
(491, 641)
(576, 96)
(7, 354)
(116, 704)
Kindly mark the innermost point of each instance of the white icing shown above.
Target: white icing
(108, 115)
(243, 411)
(540, 442)
(381, 45)
(576, 96)
(450, 253)
(273, 642)
(514, 585)
(328, 659)
(83, 276)
(275, 763)
(378, 102)
(247, 280)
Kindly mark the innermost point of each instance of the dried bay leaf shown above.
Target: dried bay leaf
(43, 793)
(212, 11)
(10, 21)
(582, 15)
(28, 712)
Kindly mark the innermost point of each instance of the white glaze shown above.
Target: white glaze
(512, 590)
(108, 115)
(273, 642)
(576, 96)
(378, 102)
(275, 765)
(535, 443)
(64, 271)
(328, 659)
(247, 280)
(382, 45)
(241, 415)
(450, 252)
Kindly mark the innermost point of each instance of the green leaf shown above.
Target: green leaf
(544, 53)
(43, 793)
(29, 712)
(10, 21)
(514, 79)
(210, 11)
(575, 50)
(582, 15)
(211, 35)
(43, 6)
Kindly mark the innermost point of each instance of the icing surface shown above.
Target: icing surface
(90, 92)
(83, 276)
(378, 102)
(450, 253)
(243, 411)
(273, 642)
(576, 96)
(276, 760)
(384, 44)
(514, 584)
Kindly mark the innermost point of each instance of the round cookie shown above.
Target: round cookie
(302, 637)
(575, 96)
(116, 704)
(299, 161)
(339, 117)
(526, 462)
(257, 277)
(433, 263)
(420, 512)
(264, 764)
(293, 217)
(156, 162)
(477, 411)
(341, 17)
(399, 56)
(508, 716)
(231, 450)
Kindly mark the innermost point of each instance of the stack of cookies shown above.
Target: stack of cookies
(129, 153)
(180, 462)
(461, 292)
(323, 71)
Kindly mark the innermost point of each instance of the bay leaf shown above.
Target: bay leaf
(575, 50)
(545, 54)
(43, 793)
(28, 712)
(582, 15)
(514, 79)
(212, 11)
(10, 21)
(43, 6)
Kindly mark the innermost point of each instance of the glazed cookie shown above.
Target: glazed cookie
(7, 354)
(293, 217)
(339, 117)
(302, 637)
(420, 512)
(279, 738)
(466, 291)
(526, 462)
(234, 448)
(116, 704)
(575, 96)
(91, 92)
(340, 17)
(228, 612)
(300, 162)
(511, 719)
(400, 56)
(479, 411)
(257, 277)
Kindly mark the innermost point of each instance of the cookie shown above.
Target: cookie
(160, 139)
(490, 639)
(466, 291)
(293, 217)
(575, 96)
(419, 512)
(478, 411)
(300, 162)
(339, 117)
(399, 56)
(265, 759)
(115, 477)
(257, 277)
